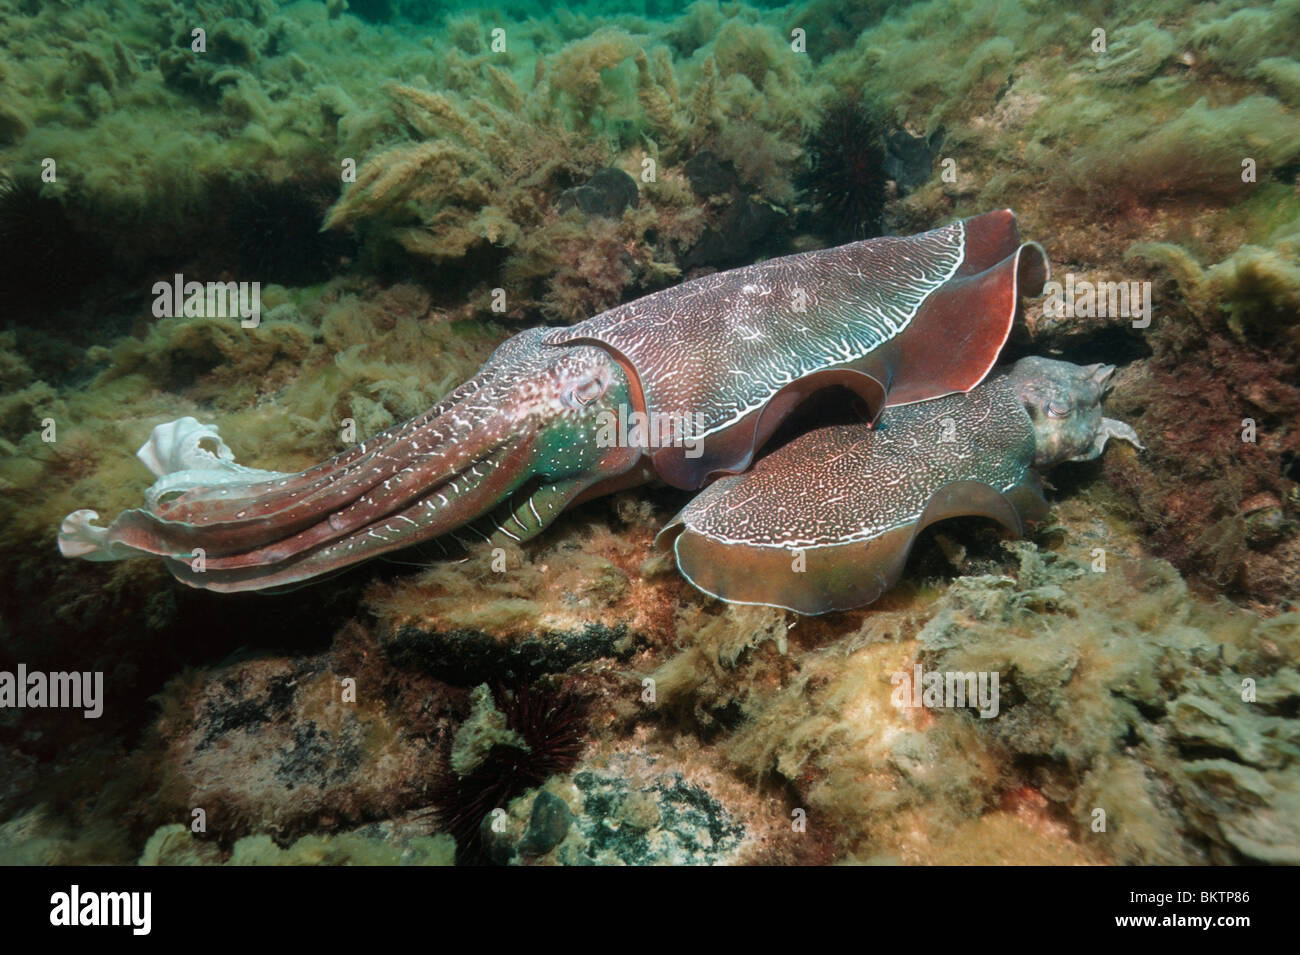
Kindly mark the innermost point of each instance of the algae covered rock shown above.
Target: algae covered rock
(469, 188)
(382, 844)
(296, 746)
(607, 194)
(595, 817)
(1158, 709)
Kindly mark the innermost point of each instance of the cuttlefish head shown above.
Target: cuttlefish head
(554, 400)
(531, 428)
(1064, 402)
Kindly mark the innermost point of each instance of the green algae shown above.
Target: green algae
(1256, 290)
(1112, 717)
(484, 728)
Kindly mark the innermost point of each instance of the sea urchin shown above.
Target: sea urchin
(846, 181)
(550, 727)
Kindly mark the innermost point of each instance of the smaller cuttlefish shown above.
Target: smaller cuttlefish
(827, 521)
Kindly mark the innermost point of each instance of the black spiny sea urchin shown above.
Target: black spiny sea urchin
(552, 727)
(846, 181)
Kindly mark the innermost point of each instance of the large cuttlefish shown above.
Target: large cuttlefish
(704, 373)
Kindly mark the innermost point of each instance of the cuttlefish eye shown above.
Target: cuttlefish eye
(1057, 409)
(585, 392)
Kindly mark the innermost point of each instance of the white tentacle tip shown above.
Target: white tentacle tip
(79, 537)
(1110, 428)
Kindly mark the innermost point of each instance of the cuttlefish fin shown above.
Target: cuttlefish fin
(732, 451)
(971, 315)
(840, 575)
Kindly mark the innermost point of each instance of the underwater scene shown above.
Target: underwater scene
(648, 433)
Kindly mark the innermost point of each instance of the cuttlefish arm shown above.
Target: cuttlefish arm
(827, 522)
(520, 430)
(183, 455)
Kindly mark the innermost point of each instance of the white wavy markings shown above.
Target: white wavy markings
(849, 483)
(725, 344)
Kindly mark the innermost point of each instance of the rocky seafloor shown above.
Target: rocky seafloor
(586, 705)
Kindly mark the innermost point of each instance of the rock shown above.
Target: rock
(909, 159)
(745, 223)
(708, 175)
(1088, 309)
(277, 745)
(1200, 723)
(1186, 769)
(462, 655)
(1265, 519)
(670, 821)
(497, 838)
(548, 824)
(607, 194)
(392, 842)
